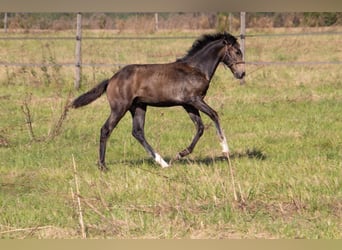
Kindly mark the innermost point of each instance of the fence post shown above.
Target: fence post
(5, 22)
(242, 37)
(156, 22)
(78, 55)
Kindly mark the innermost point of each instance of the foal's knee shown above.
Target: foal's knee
(105, 132)
(137, 133)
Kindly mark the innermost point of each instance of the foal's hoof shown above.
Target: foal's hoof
(226, 154)
(176, 158)
(102, 167)
(160, 161)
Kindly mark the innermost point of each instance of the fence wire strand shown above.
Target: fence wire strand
(69, 64)
(120, 65)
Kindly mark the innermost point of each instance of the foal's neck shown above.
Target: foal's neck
(207, 59)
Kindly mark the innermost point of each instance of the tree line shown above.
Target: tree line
(180, 20)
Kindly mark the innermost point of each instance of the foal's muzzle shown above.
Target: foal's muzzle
(238, 69)
(239, 75)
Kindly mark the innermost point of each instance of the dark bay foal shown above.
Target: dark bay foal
(184, 83)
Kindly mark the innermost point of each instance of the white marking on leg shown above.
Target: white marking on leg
(161, 161)
(224, 145)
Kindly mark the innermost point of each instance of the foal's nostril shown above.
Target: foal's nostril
(240, 75)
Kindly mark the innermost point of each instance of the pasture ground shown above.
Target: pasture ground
(284, 130)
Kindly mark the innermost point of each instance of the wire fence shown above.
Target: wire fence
(70, 38)
(77, 63)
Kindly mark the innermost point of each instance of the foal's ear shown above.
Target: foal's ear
(226, 43)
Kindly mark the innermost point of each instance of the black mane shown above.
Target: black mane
(201, 42)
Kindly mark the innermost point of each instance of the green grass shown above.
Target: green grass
(284, 129)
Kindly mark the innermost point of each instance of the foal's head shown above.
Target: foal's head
(233, 57)
(225, 45)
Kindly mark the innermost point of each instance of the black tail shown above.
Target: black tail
(91, 95)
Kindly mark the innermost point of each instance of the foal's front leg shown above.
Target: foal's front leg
(205, 108)
(196, 119)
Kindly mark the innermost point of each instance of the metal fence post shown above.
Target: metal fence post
(242, 37)
(78, 55)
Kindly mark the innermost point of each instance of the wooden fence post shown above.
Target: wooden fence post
(78, 55)
(156, 22)
(242, 37)
(5, 22)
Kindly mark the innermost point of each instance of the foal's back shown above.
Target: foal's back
(156, 84)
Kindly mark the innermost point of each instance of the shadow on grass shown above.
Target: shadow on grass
(209, 161)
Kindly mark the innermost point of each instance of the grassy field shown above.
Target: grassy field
(284, 129)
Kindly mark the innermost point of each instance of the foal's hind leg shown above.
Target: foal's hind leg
(196, 118)
(138, 116)
(106, 130)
